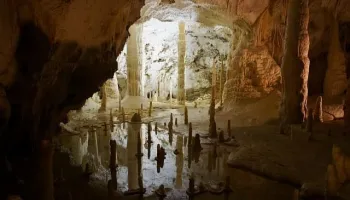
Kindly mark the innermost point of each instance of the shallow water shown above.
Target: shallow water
(93, 147)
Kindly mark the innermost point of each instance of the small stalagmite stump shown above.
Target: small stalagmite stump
(123, 115)
(197, 143)
(150, 109)
(186, 116)
(318, 110)
(195, 105)
(165, 124)
(175, 121)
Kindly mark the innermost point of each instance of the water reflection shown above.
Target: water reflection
(93, 146)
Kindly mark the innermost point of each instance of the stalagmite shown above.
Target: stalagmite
(149, 130)
(133, 68)
(158, 89)
(103, 100)
(171, 118)
(186, 115)
(133, 137)
(212, 123)
(171, 92)
(221, 80)
(175, 121)
(318, 110)
(123, 116)
(181, 64)
(135, 71)
(170, 127)
(111, 120)
(113, 162)
(295, 64)
(120, 103)
(150, 109)
(335, 82)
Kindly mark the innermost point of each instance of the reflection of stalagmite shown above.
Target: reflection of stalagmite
(95, 147)
(113, 162)
(150, 109)
(181, 64)
(179, 162)
(156, 128)
(170, 127)
(133, 134)
(186, 115)
(190, 134)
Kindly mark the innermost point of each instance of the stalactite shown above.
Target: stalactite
(295, 65)
(181, 64)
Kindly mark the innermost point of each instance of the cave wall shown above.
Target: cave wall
(53, 55)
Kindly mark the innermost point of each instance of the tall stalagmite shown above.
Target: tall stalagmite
(295, 64)
(335, 82)
(181, 64)
(134, 68)
(212, 123)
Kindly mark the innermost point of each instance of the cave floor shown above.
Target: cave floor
(261, 163)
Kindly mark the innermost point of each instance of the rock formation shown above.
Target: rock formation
(133, 136)
(295, 65)
(181, 64)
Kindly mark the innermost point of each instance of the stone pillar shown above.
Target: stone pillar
(134, 129)
(181, 64)
(295, 64)
(335, 82)
(133, 68)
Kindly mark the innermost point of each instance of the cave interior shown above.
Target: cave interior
(174, 99)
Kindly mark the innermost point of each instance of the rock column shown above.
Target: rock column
(134, 129)
(295, 64)
(335, 82)
(134, 68)
(181, 64)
